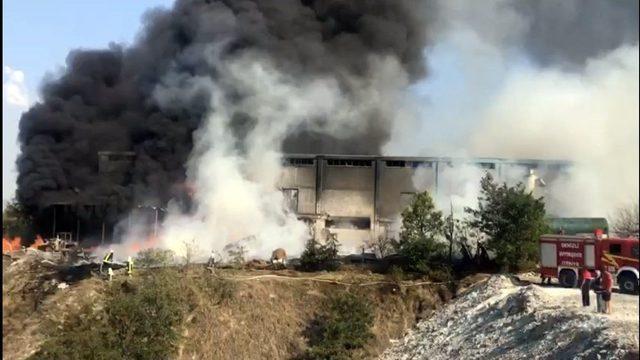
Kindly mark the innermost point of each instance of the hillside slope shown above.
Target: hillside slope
(263, 314)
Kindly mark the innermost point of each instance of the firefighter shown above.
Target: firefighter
(129, 266)
(607, 287)
(586, 286)
(212, 260)
(107, 261)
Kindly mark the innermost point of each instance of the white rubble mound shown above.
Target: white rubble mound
(498, 319)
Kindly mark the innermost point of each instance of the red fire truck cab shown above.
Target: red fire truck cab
(564, 256)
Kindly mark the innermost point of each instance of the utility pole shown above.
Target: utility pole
(451, 229)
(54, 221)
(155, 224)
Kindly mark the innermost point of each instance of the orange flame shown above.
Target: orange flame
(39, 242)
(149, 243)
(10, 245)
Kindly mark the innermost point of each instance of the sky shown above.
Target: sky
(36, 38)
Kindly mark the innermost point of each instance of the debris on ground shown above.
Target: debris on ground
(500, 319)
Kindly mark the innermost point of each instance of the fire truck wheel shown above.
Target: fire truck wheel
(628, 283)
(567, 278)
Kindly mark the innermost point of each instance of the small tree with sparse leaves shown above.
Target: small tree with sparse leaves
(625, 221)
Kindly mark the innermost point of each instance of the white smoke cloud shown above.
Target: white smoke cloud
(484, 98)
(14, 89)
(590, 118)
(236, 195)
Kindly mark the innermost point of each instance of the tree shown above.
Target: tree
(16, 221)
(451, 224)
(236, 255)
(471, 242)
(422, 228)
(190, 251)
(383, 246)
(513, 220)
(625, 221)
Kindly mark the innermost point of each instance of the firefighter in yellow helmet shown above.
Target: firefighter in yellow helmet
(107, 260)
(129, 266)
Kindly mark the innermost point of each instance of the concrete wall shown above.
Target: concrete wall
(347, 191)
(397, 183)
(342, 187)
(302, 178)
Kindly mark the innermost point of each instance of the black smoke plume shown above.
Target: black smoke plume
(104, 100)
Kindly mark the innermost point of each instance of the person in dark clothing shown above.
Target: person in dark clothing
(586, 286)
(597, 288)
(548, 279)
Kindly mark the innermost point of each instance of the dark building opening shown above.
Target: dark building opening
(363, 223)
(349, 162)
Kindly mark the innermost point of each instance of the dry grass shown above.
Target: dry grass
(257, 316)
(268, 316)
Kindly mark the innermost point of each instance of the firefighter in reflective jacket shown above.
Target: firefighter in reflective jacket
(107, 261)
(129, 266)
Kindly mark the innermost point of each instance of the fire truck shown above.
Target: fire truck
(564, 256)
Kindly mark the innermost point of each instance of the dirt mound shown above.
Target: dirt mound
(497, 318)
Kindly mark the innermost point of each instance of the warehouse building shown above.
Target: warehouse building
(359, 198)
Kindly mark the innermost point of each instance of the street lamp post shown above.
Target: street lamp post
(155, 224)
(156, 209)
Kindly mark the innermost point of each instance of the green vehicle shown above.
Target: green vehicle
(574, 226)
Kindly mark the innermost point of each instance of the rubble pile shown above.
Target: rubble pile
(499, 319)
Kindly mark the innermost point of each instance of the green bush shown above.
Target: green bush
(345, 326)
(440, 273)
(317, 256)
(146, 322)
(154, 257)
(141, 324)
(84, 334)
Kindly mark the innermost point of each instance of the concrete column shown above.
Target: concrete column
(54, 221)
